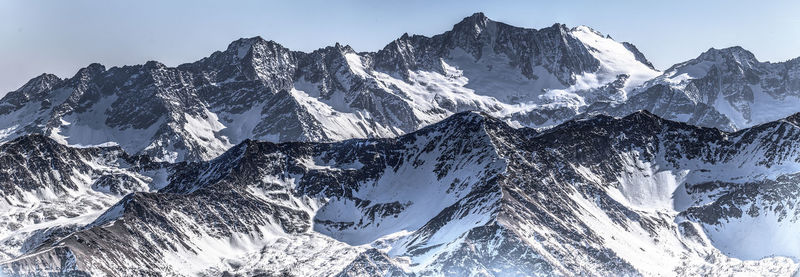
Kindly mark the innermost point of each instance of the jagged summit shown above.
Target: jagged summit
(478, 16)
(42, 82)
(735, 56)
(150, 65)
(88, 72)
(246, 42)
(476, 19)
(736, 52)
(474, 25)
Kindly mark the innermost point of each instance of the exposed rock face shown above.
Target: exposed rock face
(470, 195)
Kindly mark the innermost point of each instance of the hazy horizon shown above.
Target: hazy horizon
(61, 37)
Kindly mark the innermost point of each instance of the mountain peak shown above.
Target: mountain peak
(89, 71)
(45, 81)
(582, 28)
(95, 67)
(241, 47)
(153, 65)
(476, 17)
(730, 57)
(46, 76)
(467, 120)
(736, 53)
(245, 42)
(343, 48)
(643, 114)
(474, 24)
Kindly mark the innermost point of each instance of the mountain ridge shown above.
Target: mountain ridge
(197, 110)
(533, 185)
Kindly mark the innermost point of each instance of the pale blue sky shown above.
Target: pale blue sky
(62, 36)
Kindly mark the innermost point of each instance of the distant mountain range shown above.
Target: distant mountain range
(488, 150)
(257, 89)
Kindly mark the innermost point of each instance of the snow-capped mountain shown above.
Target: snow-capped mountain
(470, 195)
(49, 190)
(723, 88)
(258, 89)
(487, 150)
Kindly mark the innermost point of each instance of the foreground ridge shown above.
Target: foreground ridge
(633, 195)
